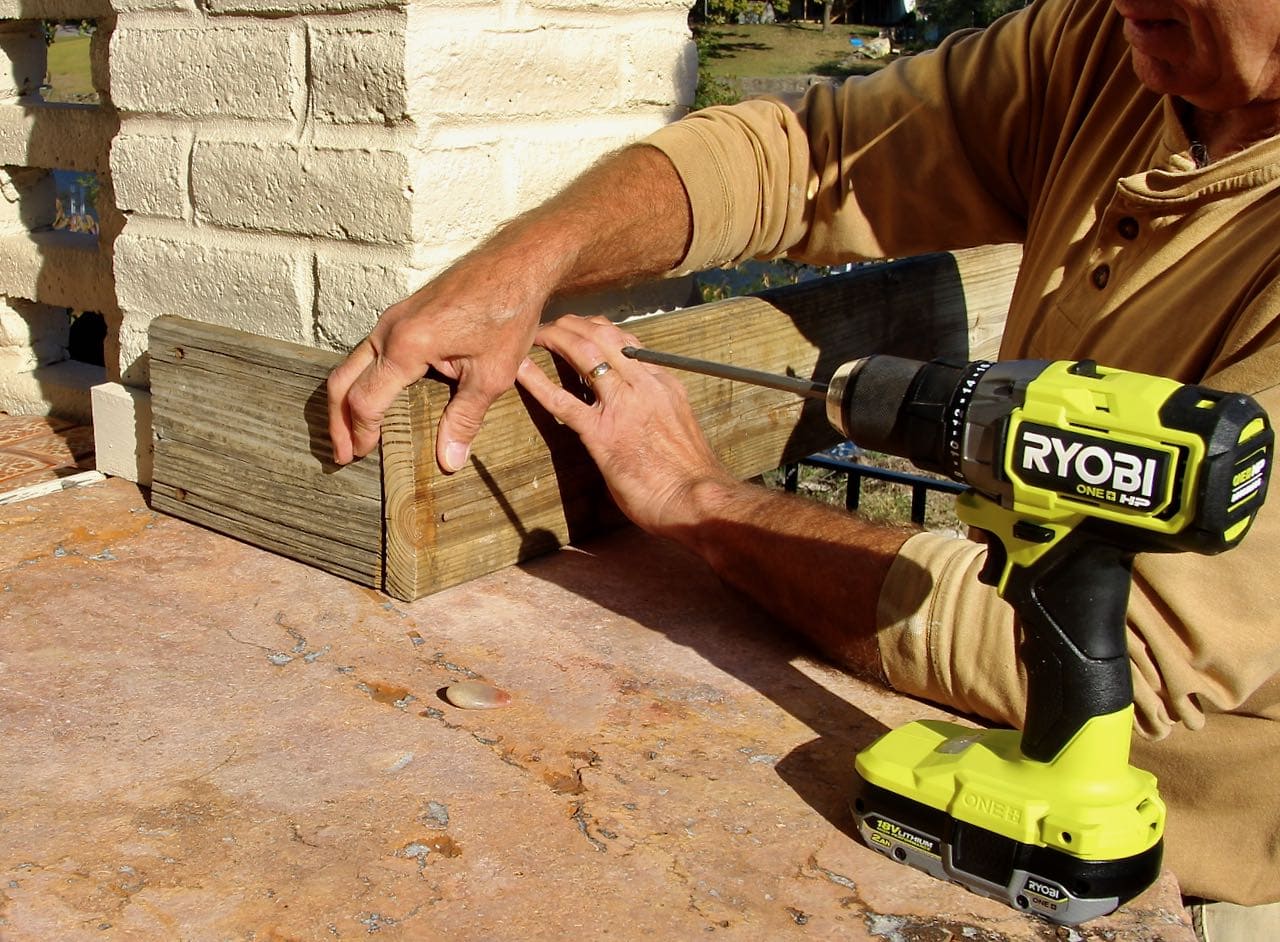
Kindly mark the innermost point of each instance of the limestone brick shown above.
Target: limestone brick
(294, 167)
(129, 352)
(36, 10)
(100, 57)
(32, 334)
(498, 75)
(26, 199)
(350, 294)
(662, 65)
(68, 137)
(357, 71)
(110, 219)
(149, 173)
(61, 268)
(60, 389)
(15, 360)
(460, 191)
(153, 6)
(537, 161)
(122, 443)
(293, 7)
(262, 288)
(245, 69)
(355, 194)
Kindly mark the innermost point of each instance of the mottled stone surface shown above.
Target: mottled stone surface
(205, 741)
(39, 448)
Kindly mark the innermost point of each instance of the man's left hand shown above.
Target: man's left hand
(639, 429)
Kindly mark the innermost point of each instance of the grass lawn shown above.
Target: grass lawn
(760, 51)
(69, 70)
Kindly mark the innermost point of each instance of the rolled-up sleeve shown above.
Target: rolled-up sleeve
(911, 159)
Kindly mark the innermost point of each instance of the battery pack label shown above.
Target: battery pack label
(1045, 889)
(886, 833)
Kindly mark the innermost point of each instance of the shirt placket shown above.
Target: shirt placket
(1119, 241)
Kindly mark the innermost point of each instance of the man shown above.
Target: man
(1132, 148)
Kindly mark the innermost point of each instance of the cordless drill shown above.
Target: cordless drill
(1071, 469)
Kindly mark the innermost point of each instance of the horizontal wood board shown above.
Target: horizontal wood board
(242, 447)
(530, 486)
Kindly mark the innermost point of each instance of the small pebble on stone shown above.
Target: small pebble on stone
(476, 695)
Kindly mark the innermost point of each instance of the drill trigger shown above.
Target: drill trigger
(997, 560)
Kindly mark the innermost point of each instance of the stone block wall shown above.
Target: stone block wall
(292, 167)
(45, 272)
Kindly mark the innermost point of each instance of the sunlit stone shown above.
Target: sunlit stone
(476, 695)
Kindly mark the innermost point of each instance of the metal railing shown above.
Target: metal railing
(839, 460)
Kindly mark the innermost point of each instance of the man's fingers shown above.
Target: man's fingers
(557, 400)
(461, 421)
(339, 421)
(585, 344)
(368, 399)
(338, 385)
(360, 389)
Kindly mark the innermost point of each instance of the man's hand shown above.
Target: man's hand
(640, 429)
(474, 324)
(626, 218)
(818, 569)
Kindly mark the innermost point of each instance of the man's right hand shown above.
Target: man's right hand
(628, 217)
(473, 324)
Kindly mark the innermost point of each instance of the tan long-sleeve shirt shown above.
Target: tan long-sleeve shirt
(1037, 131)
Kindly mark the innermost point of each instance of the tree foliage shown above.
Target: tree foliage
(711, 90)
(950, 15)
(726, 11)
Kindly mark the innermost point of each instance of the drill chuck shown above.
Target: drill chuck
(864, 400)
(907, 408)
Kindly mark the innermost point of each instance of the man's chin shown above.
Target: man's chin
(1158, 76)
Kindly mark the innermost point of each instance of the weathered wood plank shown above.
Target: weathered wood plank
(241, 446)
(299, 507)
(242, 441)
(530, 486)
(222, 516)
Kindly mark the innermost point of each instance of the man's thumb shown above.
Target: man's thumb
(459, 426)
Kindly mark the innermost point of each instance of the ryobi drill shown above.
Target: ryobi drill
(1072, 468)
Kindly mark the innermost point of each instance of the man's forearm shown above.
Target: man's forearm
(625, 219)
(816, 568)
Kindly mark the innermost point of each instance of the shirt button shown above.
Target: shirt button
(1128, 227)
(1100, 276)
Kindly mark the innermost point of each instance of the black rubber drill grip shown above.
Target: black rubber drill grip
(1072, 618)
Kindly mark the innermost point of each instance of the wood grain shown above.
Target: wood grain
(242, 442)
(530, 486)
(242, 447)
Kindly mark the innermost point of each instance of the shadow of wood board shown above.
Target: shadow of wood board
(242, 447)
